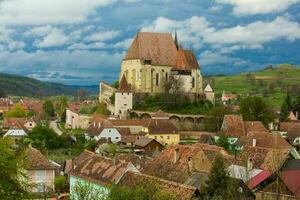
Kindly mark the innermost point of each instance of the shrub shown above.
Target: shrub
(59, 183)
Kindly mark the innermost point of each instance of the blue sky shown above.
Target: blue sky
(83, 41)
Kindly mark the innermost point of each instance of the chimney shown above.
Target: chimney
(254, 142)
(176, 155)
(191, 164)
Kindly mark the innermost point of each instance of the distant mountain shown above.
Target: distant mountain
(271, 83)
(23, 86)
(91, 89)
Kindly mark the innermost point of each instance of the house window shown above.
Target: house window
(157, 79)
(193, 82)
(117, 138)
(40, 175)
(30, 124)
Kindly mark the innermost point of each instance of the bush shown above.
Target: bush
(59, 183)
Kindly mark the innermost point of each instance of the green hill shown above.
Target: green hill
(23, 86)
(270, 83)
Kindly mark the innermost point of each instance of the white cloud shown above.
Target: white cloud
(55, 37)
(257, 33)
(103, 36)
(209, 58)
(251, 7)
(215, 8)
(122, 44)
(16, 45)
(5, 33)
(38, 31)
(190, 31)
(38, 12)
(82, 46)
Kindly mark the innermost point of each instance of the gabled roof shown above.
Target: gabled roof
(100, 170)
(96, 127)
(208, 88)
(37, 161)
(144, 141)
(233, 125)
(185, 60)
(292, 129)
(179, 191)
(159, 48)
(124, 86)
(161, 126)
(254, 126)
(267, 140)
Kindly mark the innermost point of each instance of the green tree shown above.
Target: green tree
(59, 183)
(86, 191)
(2, 94)
(215, 117)
(43, 137)
(48, 108)
(13, 181)
(285, 111)
(61, 106)
(256, 109)
(101, 109)
(223, 142)
(16, 111)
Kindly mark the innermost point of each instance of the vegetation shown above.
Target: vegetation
(80, 94)
(270, 83)
(256, 109)
(115, 84)
(12, 181)
(2, 93)
(223, 142)
(59, 183)
(61, 107)
(101, 109)
(48, 108)
(16, 111)
(215, 117)
(29, 87)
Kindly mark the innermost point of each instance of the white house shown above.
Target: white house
(17, 131)
(123, 99)
(103, 129)
(75, 120)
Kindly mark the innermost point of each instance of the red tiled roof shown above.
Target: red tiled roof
(36, 160)
(96, 127)
(292, 129)
(256, 180)
(290, 174)
(161, 126)
(159, 48)
(185, 60)
(124, 86)
(233, 125)
(179, 191)
(254, 126)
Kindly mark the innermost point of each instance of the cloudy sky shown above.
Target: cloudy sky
(83, 41)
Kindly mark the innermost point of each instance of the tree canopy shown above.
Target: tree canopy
(16, 111)
(48, 108)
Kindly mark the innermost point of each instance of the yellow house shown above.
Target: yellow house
(153, 58)
(161, 129)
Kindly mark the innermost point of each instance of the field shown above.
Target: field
(271, 83)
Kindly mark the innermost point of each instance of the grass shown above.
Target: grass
(271, 84)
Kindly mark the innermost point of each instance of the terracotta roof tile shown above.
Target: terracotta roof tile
(124, 86)
(254, 126)
(36, 160)
(233, 125)
(143, 141)
(179, 191)
(292, 129)
(96, 127)
(161, 126)
(185, 60)
(159, 48)
(268, 140)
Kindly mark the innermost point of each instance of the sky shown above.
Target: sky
(80, 42)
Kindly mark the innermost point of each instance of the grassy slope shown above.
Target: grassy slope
(24, 86)
(282, 76)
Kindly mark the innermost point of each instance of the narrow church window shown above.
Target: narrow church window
(166, 76)
(157, 79)
(193, 82)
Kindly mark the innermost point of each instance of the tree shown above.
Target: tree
(215, 117)
(173, 91)
(2, 94)
(61, 106)
(86, 191)
(12, 181)
(115, 84)
(223, 142)
(16, 111)
(256, 109)
(286, 108)
(101, 109)
(48, 108)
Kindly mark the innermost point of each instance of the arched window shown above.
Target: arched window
(157, 79)
(193, 82)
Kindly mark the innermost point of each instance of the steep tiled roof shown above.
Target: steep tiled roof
(82, 157)
(159, 48)
(185, 60)
(74, 107)
(263, 158)
(254, 126)
(178, 191)
(268, 140)
(161, 126)
(290, 176)
(124, 86)
(96, 127)
(100, 170)
(292, 129)
(13, 122)
(143, 141)
(36, 160)
(233, 125)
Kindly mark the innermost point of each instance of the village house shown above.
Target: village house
(227, 98)
(178, 162)
(178, 191)
(160, 128)
(74, 119)
(29, 123)
(135, 125)
(16, 131)
(291, 132)
(147, 145)
(99, 172)
(40, 171)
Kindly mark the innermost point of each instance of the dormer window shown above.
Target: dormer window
(147, 62)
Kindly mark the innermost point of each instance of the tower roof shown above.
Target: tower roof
(124, 86)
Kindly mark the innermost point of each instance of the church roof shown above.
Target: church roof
(124, 86)
(159, 48)
(185, 60)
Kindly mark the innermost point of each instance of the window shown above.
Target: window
(117, 138)
(157, 79)
(40, 175)
(109, 130)
(168, 137)
(30, 124)
(193, 82)
(167, 76)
